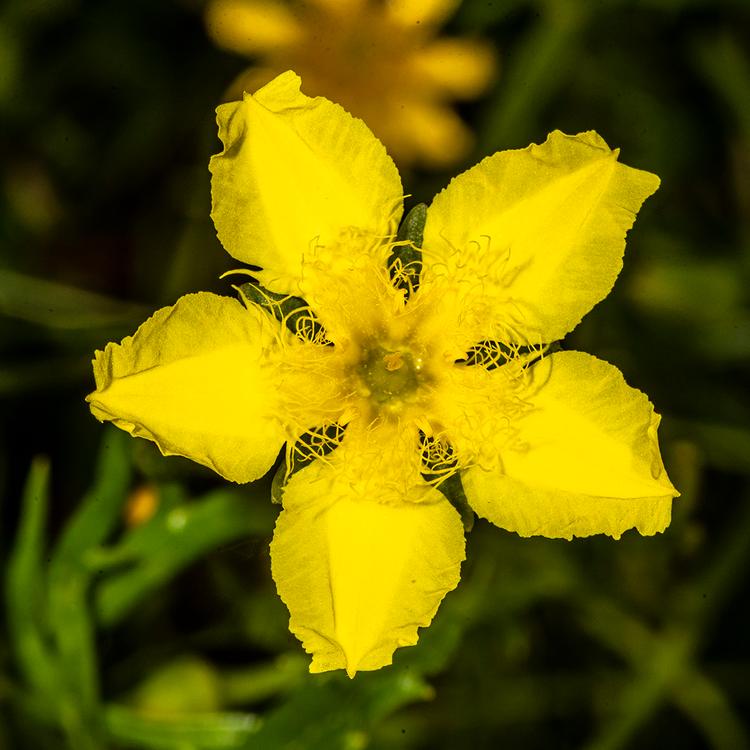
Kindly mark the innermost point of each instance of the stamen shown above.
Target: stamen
(439, 460)
(403, 275)
(312, 445)
(292, 312)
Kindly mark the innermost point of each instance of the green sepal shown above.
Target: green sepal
(279, 480)
(453, 490)
(320, 441)
(412, 227)
(441, 470)
(294, 312)
(405, 261)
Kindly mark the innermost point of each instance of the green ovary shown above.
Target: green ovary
(389, 377)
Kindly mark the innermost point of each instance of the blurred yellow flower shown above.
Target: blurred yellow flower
(409, 379)
(380, 60)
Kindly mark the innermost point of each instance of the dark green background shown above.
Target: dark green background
(106, 114)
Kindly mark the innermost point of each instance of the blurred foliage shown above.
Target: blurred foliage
(160, 628)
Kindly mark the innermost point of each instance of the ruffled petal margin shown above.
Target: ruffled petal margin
(585, 461)
(530, 240)
(296, 171)
(361, 571)
(194, 378)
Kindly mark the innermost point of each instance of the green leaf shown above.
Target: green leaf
(537, 69)
(180, 732)
(171, 541)
(722, 58)
(70, 579)
(25, 584)
(260, 682)
(44, 374)
(101, 507)
(189, 684)
(185, 685)
(61, 307)
(335, 713)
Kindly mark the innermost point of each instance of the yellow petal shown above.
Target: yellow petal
(195, 379)
(457, 67)
(251, 26)
(361, 574)
(556, 514)
(534, 238)
(421, 12)
(586, 459)
(296, 171)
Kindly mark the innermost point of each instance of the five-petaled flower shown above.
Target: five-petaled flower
(380, 59)
(410, 380)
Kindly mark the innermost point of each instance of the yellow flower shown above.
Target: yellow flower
(380, 60)
(412, 381)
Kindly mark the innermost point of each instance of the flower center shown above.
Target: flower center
(389, 377)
